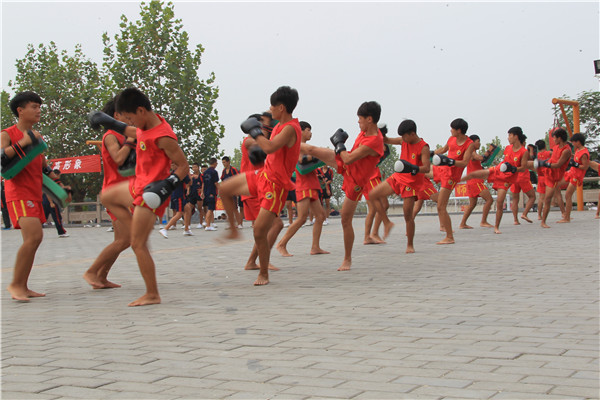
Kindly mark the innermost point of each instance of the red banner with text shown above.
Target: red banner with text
(75, 165)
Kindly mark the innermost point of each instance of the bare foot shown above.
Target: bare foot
(232, 234)
(524, 217)
(18, 294)
(465, 227)
(442, 229)
(377, 239)
(387, 229)
(516, 223)
(497, 231)
(250, 266)
(31, 293)
(145, 300)
(273, 268)
(318, 250)
(486, 225)
(539, 217)
(563, 221)
(261, 280)
(597, 216)
(93, 280)
(544, 225)
(410, 249)
(106, 284)
(345, 266)
(369, 240)
(446, 240)
(283, 251)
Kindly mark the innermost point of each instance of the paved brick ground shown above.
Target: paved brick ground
(494, 317)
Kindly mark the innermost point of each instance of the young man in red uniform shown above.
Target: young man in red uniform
(307, 197)
(476, 188)
(356, 166)
(408, 179)
(253, 160)
(554, 169)
(579, 165)
(273, 182)
(542, 155)
(460, 149)
(504, 175)
(24, 191)
(156, 148)
(115, 151)
(523, 184)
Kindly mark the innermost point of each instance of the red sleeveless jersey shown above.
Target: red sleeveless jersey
(308, 181)
(245, 164)
(27, 184)
(456, 151)
(152, 163)
(111, 173)
(556, 174)
(578, 173)
(280, 165)
(543, 156)
(412, 154)
(362, 170)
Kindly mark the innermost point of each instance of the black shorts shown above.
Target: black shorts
(177, 203)
(210, 202)
(291, 196)
(192, 200)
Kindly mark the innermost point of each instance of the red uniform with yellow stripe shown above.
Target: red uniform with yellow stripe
(308, 186)
(503, 180)
(475, 186)
(24, 191)
(408, 185)
(554, 175)
(152, 163)
(450, 175)
(575, 175)
(273, 182)
(373, 182)
(358, 174)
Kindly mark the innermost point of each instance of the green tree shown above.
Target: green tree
(68, 86)
(153, 54)
(236, 159)
(8, 119)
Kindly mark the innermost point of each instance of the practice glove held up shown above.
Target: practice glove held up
(157, 192)
(404, 167)
(507, 167)
(339, 140)
(440, 159)
(541, 164)
(98, 119)
(252, 127)
(573, 163)
(256, 155)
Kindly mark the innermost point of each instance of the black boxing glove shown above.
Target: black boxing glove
(99, 119)
(252, 127)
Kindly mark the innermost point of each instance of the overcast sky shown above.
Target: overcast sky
(496, 65)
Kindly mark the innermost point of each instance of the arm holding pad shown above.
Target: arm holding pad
(304, 167)
(252, 127)
(12, 166)
(98, 119)
(404, 167)
(507, 167)
(440, 159)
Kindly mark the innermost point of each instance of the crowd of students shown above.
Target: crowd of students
(258, 192)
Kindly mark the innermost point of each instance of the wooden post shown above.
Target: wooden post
(576, 128)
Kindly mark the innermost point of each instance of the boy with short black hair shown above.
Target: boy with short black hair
(272, 183)
(149, 193)
(460, 149)
(523, 183)
(408, 179)
(555, 169)
(356, 166)
(579, 165)
(24, 191)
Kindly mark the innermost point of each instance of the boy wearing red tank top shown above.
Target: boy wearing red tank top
(357, 166)
(554, 170)
(459, 148)
(115, 151)
(273, 182)
(408, 179)
(24, 191)
(156, 148)
(579, 165)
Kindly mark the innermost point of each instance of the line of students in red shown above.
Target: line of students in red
(269, 159)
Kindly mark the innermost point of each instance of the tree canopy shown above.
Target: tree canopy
(152, 53)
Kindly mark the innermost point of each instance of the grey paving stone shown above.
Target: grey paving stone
(426, 325)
